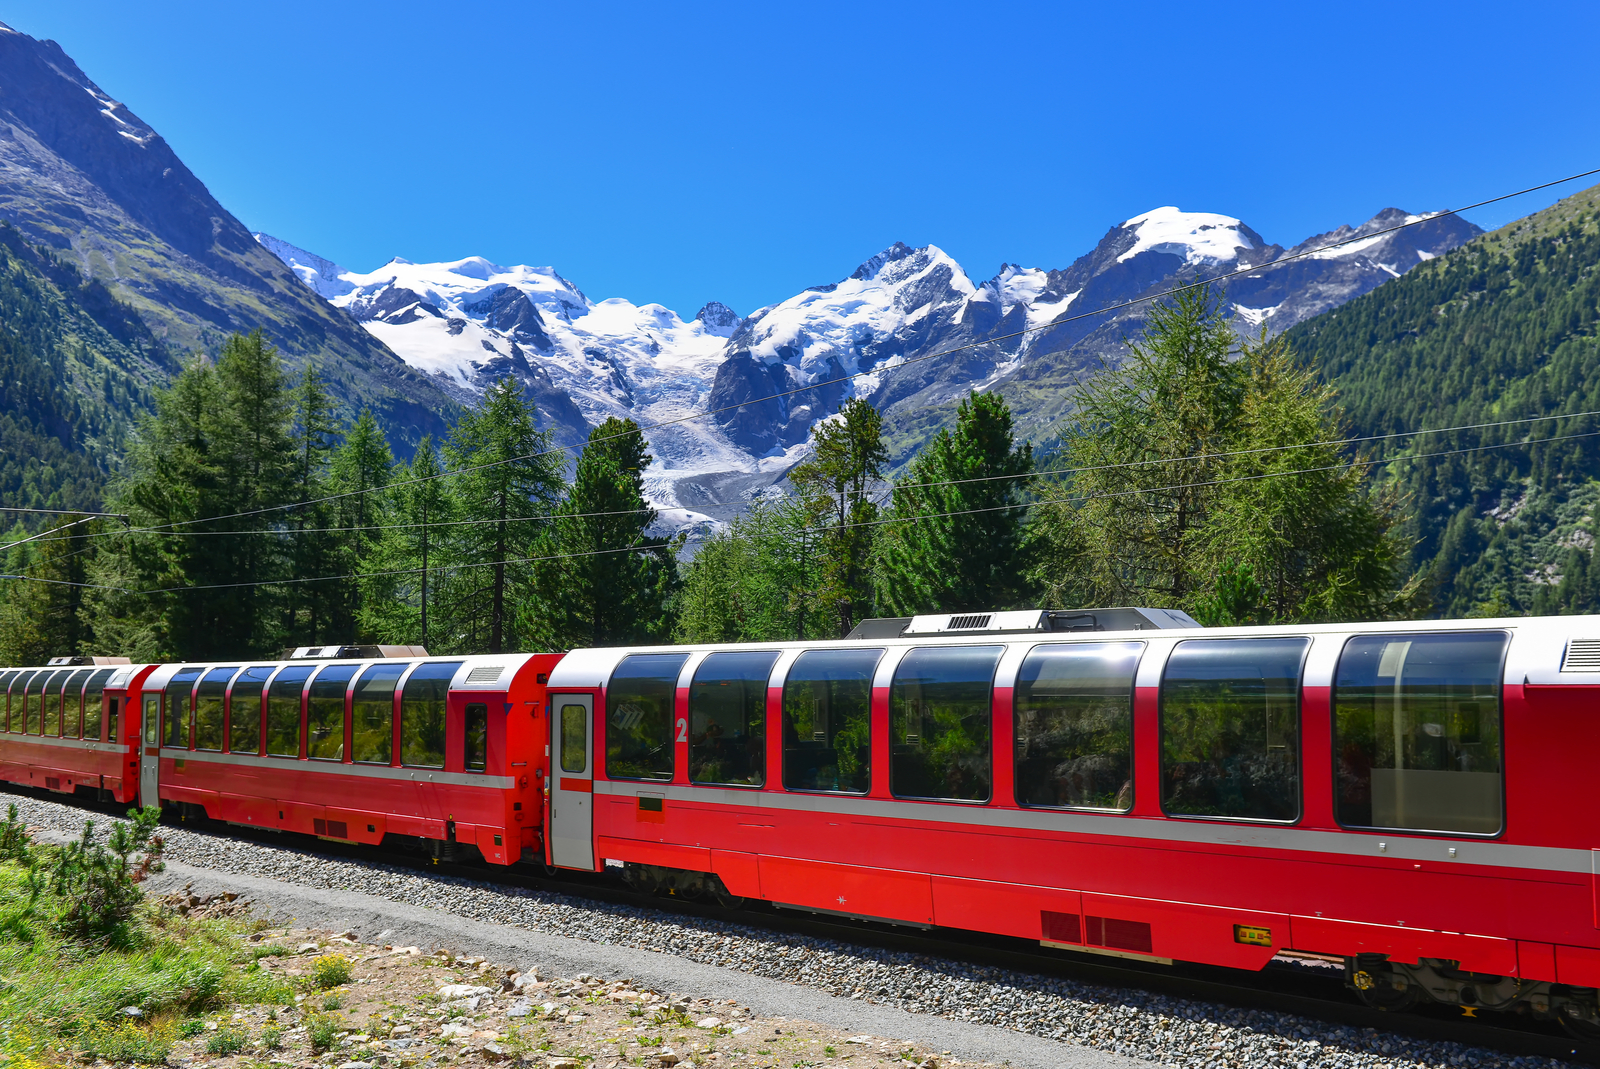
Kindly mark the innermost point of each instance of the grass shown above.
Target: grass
(323, 1029)
(126, 997)
(227, 1040)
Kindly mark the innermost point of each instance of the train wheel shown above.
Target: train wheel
(727, 901)
(1377, 990)
(1578, 1028)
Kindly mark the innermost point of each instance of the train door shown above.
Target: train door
(150, 751)
(572, 781)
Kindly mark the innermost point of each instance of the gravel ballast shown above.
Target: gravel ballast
(1154, 1027)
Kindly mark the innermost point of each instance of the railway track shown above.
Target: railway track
(1283, 987)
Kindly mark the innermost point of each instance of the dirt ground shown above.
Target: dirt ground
(401, 1007)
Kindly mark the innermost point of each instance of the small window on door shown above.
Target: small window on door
(475, 753)
(152, 721)
(574, 738)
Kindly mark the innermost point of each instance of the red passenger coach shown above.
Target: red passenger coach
(1414, 798)
(445, 751)
(63, 727)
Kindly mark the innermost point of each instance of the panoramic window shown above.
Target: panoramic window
(939, 723)
(574, 738)
(422, 714)
(32, 692)
(475, 737)
(179, 698)
(208, 701)
(94, 692)
(372, 714)
(6, 681)
(113, 708)
(72, 704)
(639, 704)
(52, 702)
(827, 721)
(1230, 728)
(325, 712)
(244, 709)
(1417, 732)
(283, 711)
(1073, 715)
(728, 719)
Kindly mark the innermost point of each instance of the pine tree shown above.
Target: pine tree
(758, 581)
(954, 537)
(849, 457)
(508, 485)
(606, 581)
(312, 610)
(400, 574)
(41, 616)
(359, 470)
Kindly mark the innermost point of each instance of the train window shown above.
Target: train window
(639, 707)
(372, 714)
(1073, 716)
(728, 719)
(152, 721)
(422, 705)
(475, 745)
(574, 738)
(1230, 728)
(244, 709)
(113, 719)
(208, 698)
(325, 713)
(283, 711)
(1417, 741)
(94, 693)
(33, 701)
(6, 679)
(178, 707)
(72, 704)
(52, 702)
(827, 721)
(939, 723)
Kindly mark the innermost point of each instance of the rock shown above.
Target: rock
(563, 1063)
(709, 1022)
(667, 1057)
(520, 1009)
(462, 991)
(494, 1052)
(307, 948)
(401, 1030)
(131, 1011)
(356, 1065)
(859, 1039)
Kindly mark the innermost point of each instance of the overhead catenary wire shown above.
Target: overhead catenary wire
(1286, 258)
(664, 544)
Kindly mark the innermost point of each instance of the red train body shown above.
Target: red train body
(1412, 798)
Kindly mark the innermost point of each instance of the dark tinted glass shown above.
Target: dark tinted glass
(939, 723)
(1230, 728)
(94, 693)
(6, 703)
(475, 741)
(283, 711)
(728, 719)
(52, 702)
(113, 710)
(639, 703)
(208, 701)
(72, 704)
(179, 707)
(325, 713)
(32, 701)
(372, 714)
(244, 709)
(1074, 725)
(827, 720)
(1417, 732)
(422, 708)
(574, 738)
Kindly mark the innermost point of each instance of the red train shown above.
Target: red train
(1411, 798)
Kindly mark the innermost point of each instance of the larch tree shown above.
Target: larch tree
(835, 485)
(400, 572)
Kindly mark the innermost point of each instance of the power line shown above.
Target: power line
(823, 530)
(891, 366)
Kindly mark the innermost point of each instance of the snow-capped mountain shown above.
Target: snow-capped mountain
(766, 379)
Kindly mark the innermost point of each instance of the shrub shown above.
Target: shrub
(322, 1029)
(271, 1038)
(331, 970)
(15, 844)
(226, 1040)
(191, 1028)
(100, 881)
(127, 1042)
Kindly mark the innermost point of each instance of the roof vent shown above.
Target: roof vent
(1583, 655)
(328, 653)
(985, 622)
(487, 673)
(968, 623)
(55, 661)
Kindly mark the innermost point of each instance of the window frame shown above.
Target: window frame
(308, 696)
(82, 675)
(444, 723)
(1310, 642)
(300, 721)
(222, 720)
(467, 715)
(373, 667)
(232, 696)
(1133, 745)
(99, 678)
(761, 704)
(686, 660)
(188, 709)
(872, 679)
(1333, 735)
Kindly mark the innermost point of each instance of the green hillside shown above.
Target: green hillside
(76, 371)
(1501, 329)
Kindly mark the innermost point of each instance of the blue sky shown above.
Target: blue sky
(680, 153)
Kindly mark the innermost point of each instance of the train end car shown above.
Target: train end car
(64, 727)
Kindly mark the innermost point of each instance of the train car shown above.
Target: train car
(62, 727)
(1413, 798)
(347, 744)
(1410, 798)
